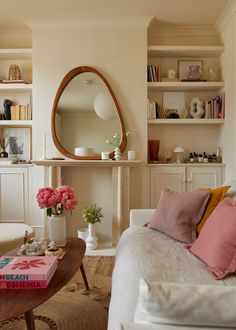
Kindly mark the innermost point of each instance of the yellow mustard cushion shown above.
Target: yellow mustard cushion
(216, 195)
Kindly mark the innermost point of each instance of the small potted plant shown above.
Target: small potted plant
(92, 214)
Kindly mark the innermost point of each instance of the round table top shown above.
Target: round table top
(14, 302)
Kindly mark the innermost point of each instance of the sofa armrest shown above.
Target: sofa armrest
(138, 217)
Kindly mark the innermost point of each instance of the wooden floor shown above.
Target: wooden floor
(98, 265)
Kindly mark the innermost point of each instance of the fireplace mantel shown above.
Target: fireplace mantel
(120, 185)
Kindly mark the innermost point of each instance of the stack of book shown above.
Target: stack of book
(215, 108)
(153, 73)
(155, 111)
(24, 272)
(21, 112)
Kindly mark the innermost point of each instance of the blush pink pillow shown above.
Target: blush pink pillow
(216, 244)
(178, 213)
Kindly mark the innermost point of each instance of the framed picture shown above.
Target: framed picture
(173, 102)
(190, 70)
(19, 145)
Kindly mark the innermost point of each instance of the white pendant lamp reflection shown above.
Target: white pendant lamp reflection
(104, 106)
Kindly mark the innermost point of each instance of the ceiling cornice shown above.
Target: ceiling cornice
(97, 23)
(226, 16)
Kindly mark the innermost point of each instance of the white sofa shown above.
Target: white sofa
(149, 254)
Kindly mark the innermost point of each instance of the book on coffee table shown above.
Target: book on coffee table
(23, 269)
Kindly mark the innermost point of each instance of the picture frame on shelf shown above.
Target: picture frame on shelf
(19, 142)
(173, 104)
(190, 70)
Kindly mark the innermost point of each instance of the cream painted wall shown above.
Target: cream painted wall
(227, 28)
(120, 55)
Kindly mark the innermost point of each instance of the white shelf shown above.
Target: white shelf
(185, 51)
(17, 123)
(187, 121)
(15, 53)
(16, 87)
(186, 86)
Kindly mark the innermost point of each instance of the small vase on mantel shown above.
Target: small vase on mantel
(91, 240)
(117, 153)
(57, 229)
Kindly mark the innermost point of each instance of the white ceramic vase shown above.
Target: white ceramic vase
(91, 240)
(57, 229)
(117, 153)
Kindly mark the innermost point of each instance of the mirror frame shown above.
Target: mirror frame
(68, 77)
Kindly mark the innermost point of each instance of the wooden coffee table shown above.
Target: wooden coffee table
(15, 302)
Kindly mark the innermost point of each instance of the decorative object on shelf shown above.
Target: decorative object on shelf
(131, 154)
(14, 72)
(172, 113)
(7, 109)
(115, 141)
(44, 157)
(117, 154)
(173, 103)
(91, 215)
(171, 73)
(153, 150)
(184, 114)
(196, 108)
(56, 201)
(3, 144)
(105, 155)
(190, 70)
(19, 142)
(178, 150)
(84, 151)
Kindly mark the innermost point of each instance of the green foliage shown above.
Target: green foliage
(92, 214)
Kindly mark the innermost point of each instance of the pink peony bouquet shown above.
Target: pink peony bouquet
(56, 200)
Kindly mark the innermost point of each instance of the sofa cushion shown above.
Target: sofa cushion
(185, 304)
(216, 195)
(178, 213)
(216, 244)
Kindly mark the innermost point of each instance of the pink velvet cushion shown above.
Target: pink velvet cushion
(216, 244)
(178, 213)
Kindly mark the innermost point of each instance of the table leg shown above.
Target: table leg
(84, 276)
(29, 320)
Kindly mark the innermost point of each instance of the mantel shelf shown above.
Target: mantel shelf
(87, 163)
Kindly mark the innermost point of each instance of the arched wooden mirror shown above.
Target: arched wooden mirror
(85, 114)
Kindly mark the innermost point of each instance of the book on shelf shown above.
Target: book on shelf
(27, 268)
(153, 73)
(215, 108)
(155, 111)
(21, 112)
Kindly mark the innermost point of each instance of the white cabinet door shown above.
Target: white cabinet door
(203, 177)
(183, 178)
(13, 194)
(172, 177)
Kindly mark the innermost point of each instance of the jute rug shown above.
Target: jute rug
(73, 307)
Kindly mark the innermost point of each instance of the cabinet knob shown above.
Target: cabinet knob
(189, 181)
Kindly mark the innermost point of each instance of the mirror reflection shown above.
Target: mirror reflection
(85, 116)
